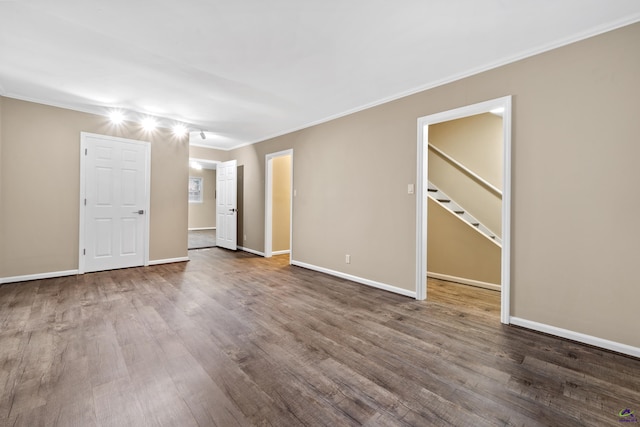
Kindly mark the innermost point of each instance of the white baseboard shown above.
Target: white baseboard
(281, 252)
(201, 228)
(168, 260)
(356, 279)
(29, 277)
(251, 251)
(576, 336)
(464, 281)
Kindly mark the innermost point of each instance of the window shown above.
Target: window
(195, 189)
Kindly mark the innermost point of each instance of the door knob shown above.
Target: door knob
(140, 212)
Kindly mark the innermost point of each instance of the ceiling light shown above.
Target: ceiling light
(179, 130)
(196, 166)
(202, 135)
(116, 117)
(149, 124)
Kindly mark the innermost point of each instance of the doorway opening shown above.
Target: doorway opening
(202, 203)
(278, 204)
(425, 188)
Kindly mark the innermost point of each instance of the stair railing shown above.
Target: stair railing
(467, 171)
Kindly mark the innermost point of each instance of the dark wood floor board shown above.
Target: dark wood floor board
(232, 339)
(444, 377)
(306, 364)
(158, 396)
(491, 375)
(228, 376)
(106, 360)
(302, 406)
(578, 390)
(478, 300)
(117, 404)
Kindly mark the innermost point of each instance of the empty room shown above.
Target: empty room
(407, 213)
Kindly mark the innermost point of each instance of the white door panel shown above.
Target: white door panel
(227, 208)
(116, 177)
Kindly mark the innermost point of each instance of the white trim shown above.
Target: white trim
(147, 189)
(39, 276)
(280, 252)
(421, 193)
(268, 206)
(201, 228)
(505, 274)
(201, 145)
(422, 185)
(251, 251)
(356, 279)
(268, 202)
(462, 280)
(168, 260)
(577, 336)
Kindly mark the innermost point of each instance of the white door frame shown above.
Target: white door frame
(214, 165)
(268, 204)
(421, 203)
(84, 144)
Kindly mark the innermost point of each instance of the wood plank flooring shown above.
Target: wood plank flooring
(198, 239)
(230, 339)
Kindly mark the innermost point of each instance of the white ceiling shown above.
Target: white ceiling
(246, 70)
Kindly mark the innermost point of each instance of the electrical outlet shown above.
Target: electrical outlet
(347, 259)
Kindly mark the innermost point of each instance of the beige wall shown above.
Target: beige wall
(41, 185)
(281, 209)
(205, 153)
(575, 134)
(203, 215)
(455, 249)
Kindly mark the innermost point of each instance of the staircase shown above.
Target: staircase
(445, 201)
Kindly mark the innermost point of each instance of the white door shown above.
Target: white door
(226, 205)
(114, 223)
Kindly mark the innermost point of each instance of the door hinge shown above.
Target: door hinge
(85, 202)
(84, 252)
(85, 151)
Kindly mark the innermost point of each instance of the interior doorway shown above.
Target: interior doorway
(424, 187)
(278, 203)
(202, 204)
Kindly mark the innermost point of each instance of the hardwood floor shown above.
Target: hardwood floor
(198, 239)
(230, 339)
